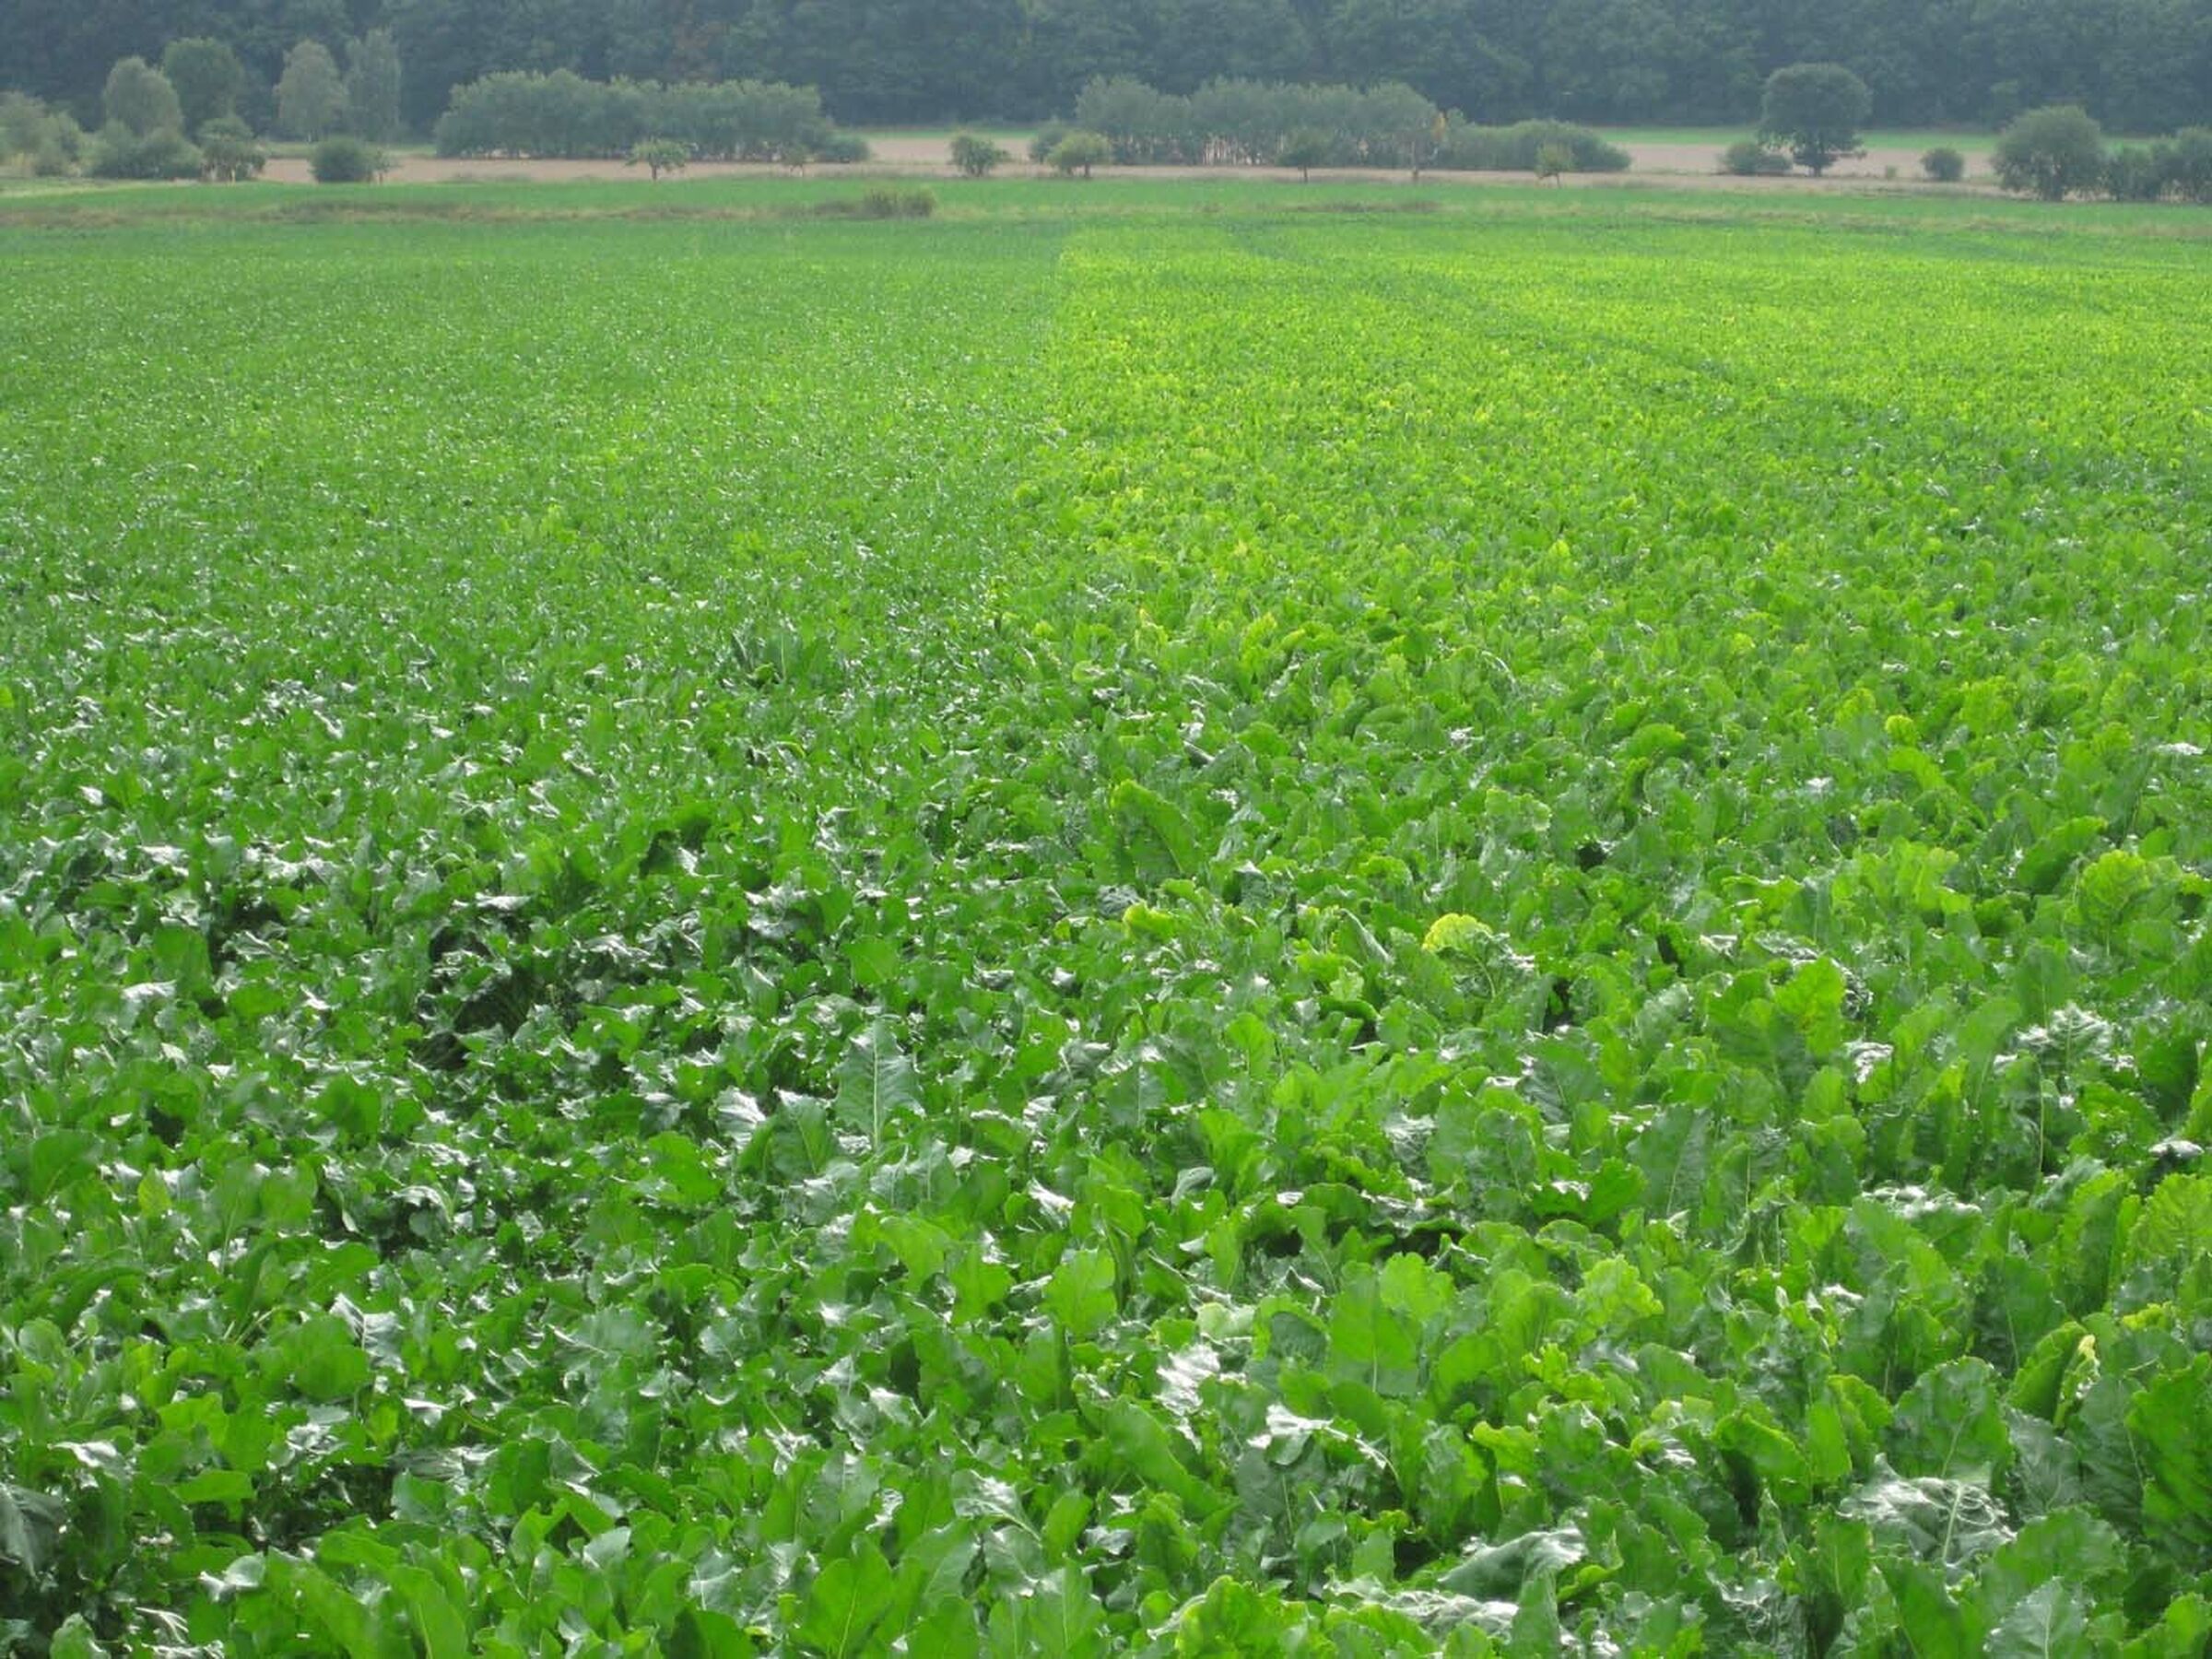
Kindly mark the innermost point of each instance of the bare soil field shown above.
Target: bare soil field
(1680, 165)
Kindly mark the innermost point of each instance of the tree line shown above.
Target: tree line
(181, 117)
(2137, 65)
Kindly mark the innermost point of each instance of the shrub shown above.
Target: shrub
(1046, 140)
(1748, 159)
(658, 156)
(345, 160)
(119, 153)
(2189, 164)
(2135, 174)
(48, 142)
(1553, 160)
(1943, 164)
(1079, 152)
(1514, 148)
(974, 155)
(882, 202)
(228, 152)
(2052, 152)
(1815, 111)
(840, 149)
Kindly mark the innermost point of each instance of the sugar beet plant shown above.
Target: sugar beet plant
(1220, 933)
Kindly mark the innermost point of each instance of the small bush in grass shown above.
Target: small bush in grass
(1943, 165)
(1748, 159)
(1078, 153)
(345, 160)
(881, 202)
(1046, 140)
(974, 155)
(1554, 160)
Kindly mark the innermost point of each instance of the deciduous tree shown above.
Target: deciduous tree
(2052, 152)
(311, 94)
(1815, 111)
(139, 98)
(207, 77)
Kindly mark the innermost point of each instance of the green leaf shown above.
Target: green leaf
(1156, 837)
(2174, 1229)
(1056, 1617)
(875, 1082)
(28, 1522)
(1371, 1341)
(2108, 887)
(2168, 1419)
(1081, 1294)
(1950, 1423)
(74, 1640)
(2049, 1622)
(2046, 863)
(1503, 1572)
(1813, 1002)
(438, 1625)
(2071, 1546)
(1934, 1625)
(1946, 1523)
(850, 1598)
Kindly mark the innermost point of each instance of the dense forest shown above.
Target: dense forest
(2142, 66)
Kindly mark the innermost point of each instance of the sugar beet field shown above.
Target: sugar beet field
(1187, 920)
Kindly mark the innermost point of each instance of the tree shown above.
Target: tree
(311, 94)
(974, 155)
(1079, 152)
(139, 98)
(658, 156)
(2051, 152)
(1815, 111)
(1305, 149)
(373, 85)
(1554, 160)
(228, 151)
(207, 77)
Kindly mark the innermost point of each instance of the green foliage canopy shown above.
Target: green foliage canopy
(1815, 111)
